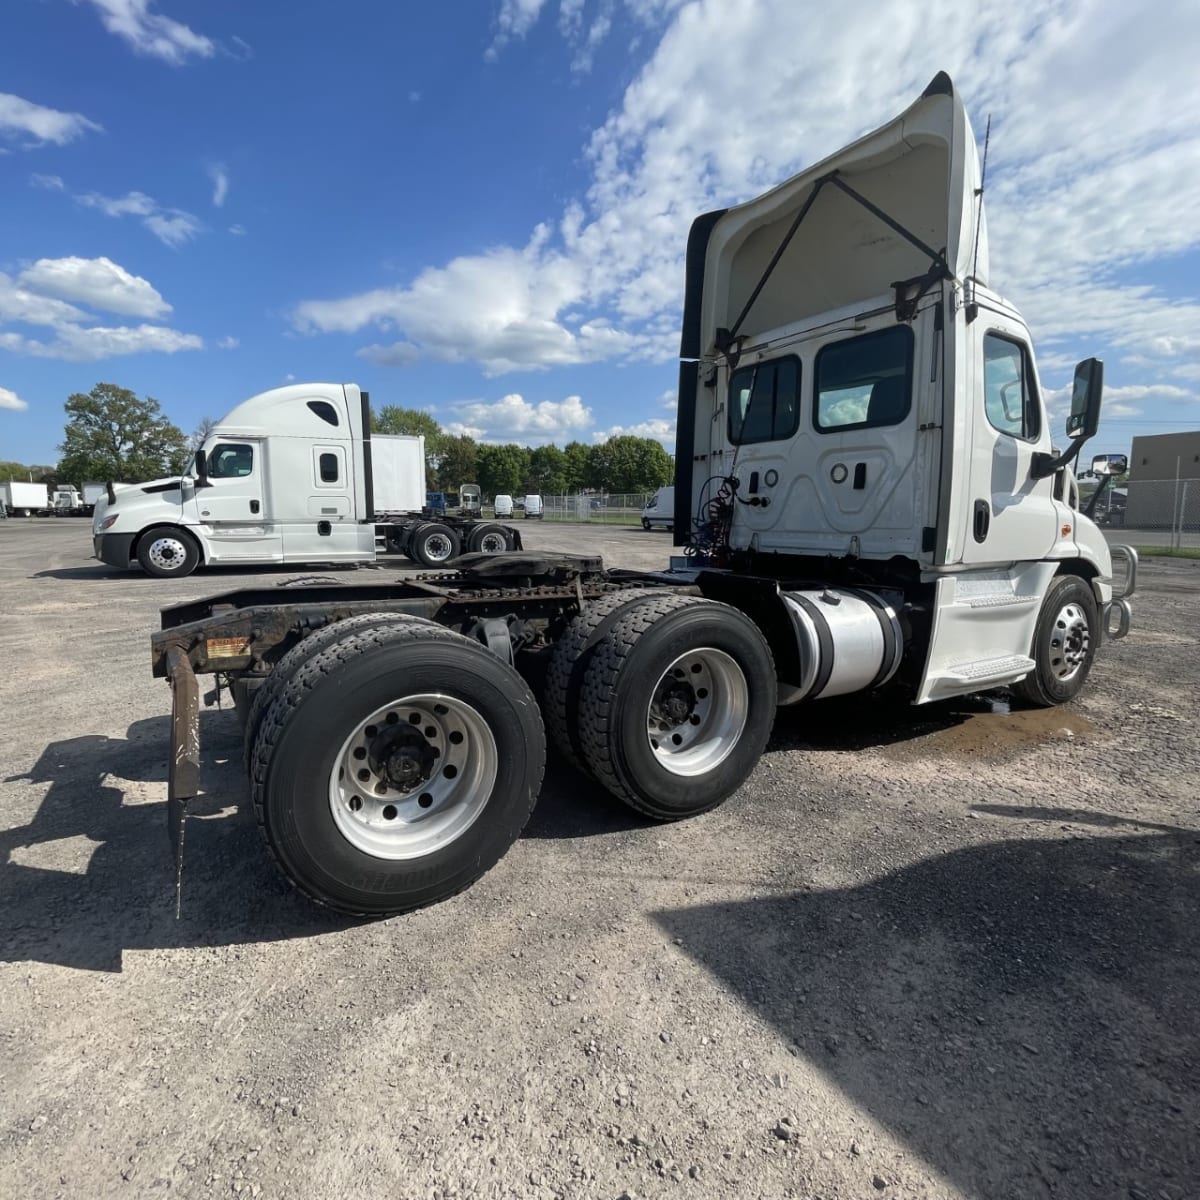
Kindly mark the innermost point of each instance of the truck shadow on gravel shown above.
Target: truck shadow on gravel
(92, 874)
(1022, 1014)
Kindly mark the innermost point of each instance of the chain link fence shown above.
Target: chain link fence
(1153, 512)
(605, 509)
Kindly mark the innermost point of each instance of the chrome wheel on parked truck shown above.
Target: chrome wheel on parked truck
(167, 552)
(413, 776)
(397, 766)
(1064, 643)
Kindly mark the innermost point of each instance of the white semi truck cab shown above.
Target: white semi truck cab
(868, 500)
(292, 475)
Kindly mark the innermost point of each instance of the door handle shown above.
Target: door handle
(254, 506)
(983, 520)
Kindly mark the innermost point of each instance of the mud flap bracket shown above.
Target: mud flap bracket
(183, 779)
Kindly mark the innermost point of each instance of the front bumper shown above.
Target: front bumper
(115, 549)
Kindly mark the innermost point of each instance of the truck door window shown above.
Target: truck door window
(764, 402)
(864, 381)
(328, 466)
(1010, 397)
(231, 460)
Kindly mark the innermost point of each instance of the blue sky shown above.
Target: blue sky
(480, 208)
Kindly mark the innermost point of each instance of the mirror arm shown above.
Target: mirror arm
(1044, 465)
(1090, 507)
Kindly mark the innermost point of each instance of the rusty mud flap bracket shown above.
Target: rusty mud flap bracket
(183, 780)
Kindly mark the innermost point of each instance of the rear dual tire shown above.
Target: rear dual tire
(372, 813)
(667, 700)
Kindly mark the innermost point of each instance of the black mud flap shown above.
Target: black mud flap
(183, 781)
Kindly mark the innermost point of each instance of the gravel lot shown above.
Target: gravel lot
(939, 952)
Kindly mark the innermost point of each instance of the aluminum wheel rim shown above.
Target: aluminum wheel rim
(697, 711)
(438, 547)
(1069, 641)
(167, 553)
(413, 776)
(493, 543)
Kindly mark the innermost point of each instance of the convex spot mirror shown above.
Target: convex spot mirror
(1110, 464)
(1086, 394)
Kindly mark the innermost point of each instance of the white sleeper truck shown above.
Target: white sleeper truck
(293, 475)
(868, 500)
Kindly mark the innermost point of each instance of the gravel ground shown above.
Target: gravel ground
(937, 952)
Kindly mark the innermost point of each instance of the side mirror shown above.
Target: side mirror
(1086, 394)
(1083, 420)
(201, 469)
(1110, 464)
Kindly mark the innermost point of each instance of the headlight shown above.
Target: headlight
(108, 522)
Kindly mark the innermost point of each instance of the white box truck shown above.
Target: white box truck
(870, 501)
(24, 499)
(293, 475)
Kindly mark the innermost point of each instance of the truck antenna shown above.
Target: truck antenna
(972, 305)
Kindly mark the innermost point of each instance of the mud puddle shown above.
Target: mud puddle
(986, 726)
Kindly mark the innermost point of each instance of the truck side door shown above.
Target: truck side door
(231, 507)
(1011, 516)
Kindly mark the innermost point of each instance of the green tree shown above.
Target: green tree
(459, 462)
(113, 434)
(25, 472)
(201, 432)
(548, 470)
(503, 470)
(576, 459)
(629, 464)
(415, 422)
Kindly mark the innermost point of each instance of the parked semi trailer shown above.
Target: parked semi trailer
(868, 499)
(293, 475)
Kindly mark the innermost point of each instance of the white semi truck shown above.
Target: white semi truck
(293, 475)
(868, 498)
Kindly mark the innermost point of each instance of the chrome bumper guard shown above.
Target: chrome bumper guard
(1120, 603)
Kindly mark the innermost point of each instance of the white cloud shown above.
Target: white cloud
(21, 305)
(151, 34)
(585, 55)
(50, 183)
(657, 428)
(98, 282)
(79, 344)
(1094, 176)
(238, 230)
(513, 418)
(515, 19)
(22, 118)
(10, 400)
(498, 309)
(172, 226)
(220, 182)
(136, 204)
(227, 343)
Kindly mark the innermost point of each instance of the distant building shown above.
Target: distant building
(1154, 464)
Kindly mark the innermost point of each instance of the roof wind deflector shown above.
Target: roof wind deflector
(727, 340)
